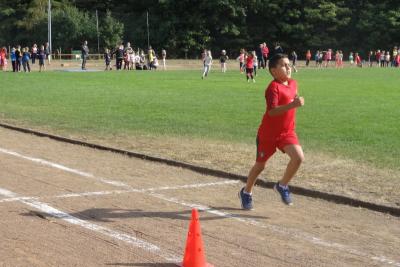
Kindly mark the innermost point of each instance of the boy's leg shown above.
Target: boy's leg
(295, 152)
(245, 196)
(257, 168)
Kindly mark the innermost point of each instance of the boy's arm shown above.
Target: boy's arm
(298, 101)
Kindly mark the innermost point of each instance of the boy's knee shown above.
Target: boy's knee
(301, 159)
(298, 159)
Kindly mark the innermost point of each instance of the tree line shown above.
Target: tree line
(185, 27)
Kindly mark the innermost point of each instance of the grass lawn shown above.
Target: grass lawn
(352, 113)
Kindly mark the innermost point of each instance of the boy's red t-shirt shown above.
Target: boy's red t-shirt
(278, 94)
(250, 62)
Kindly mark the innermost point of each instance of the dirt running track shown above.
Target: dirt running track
(66, 205)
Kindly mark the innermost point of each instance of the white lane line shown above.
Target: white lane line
(63, 168)
(283, 231)
(43, 207)
(116, 192)
(15, 199)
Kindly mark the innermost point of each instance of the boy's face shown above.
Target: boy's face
(282, 72)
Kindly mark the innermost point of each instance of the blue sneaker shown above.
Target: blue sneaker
(284, 193)
(246, 200)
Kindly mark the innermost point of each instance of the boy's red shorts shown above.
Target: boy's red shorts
(267, 147)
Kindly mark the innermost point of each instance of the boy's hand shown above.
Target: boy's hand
(298, 101)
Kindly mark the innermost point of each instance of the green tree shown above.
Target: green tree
(111, 31)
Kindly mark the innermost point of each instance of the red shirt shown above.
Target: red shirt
(378, 56)
(278, 94)
(265, 51)
(358, 60)
(249, 62)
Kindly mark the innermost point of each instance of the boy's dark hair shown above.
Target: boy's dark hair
(273, 61)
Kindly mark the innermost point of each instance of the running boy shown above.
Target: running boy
(277, 130)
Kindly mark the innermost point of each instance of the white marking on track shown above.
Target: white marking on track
(43, 207)
(116, 192)
(280, 230)
(63, 168)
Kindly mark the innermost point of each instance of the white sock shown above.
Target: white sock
(283, 186)
(247, 193)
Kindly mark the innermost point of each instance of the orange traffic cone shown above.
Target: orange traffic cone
(194, 252)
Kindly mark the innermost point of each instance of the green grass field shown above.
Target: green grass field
(352, 113)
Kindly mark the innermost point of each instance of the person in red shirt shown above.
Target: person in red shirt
(308, 57)
(277, 130)
(249, 61)
(265, 52)
(358, 60)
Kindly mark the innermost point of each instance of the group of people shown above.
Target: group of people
(131, 59)
(249, 61)
(384, 58)
(380, 58)
(23, 57)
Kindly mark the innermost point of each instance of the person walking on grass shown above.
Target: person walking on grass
(208, 60)
(277, 130)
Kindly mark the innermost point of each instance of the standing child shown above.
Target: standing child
(47, 53)
(85, 54)
(316, 57)
(249, 67)
(294, 60)
(107, 58)
(34, 53)
(265, 53)
(358, 60)
(18, 56)
(26, 56)
(255, 60)
(351, 58)
(223, 58)
(337, 58)
(164, 57)
(3, 58)
(240, 58)
(277, 130)
(340, 59)
(208, 60)
(308, 57)
(13, 59)
(42, 57)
